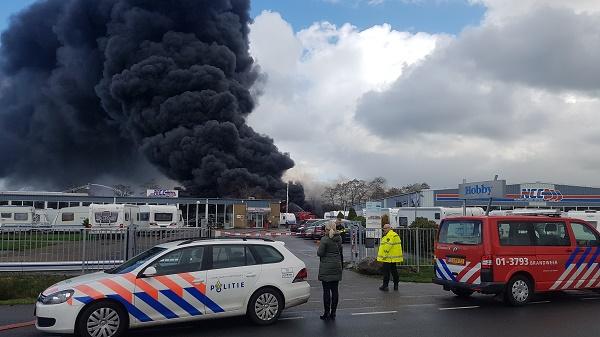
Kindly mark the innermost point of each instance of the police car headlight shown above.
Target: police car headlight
(58, 297)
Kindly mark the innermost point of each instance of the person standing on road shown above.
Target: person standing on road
(330, 269)
(390, 253)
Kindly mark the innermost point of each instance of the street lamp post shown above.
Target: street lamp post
(197, 206)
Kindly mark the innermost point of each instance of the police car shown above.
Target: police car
(176, 282)
(517, 255)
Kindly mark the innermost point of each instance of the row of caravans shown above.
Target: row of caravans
(405, 216)
(95, 216)
(590, 216)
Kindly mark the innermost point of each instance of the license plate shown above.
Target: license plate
(456, 260)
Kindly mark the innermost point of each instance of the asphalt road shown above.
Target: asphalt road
(415, 310)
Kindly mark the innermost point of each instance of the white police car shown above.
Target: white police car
(176, 282)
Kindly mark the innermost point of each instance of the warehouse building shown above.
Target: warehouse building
(523, 195)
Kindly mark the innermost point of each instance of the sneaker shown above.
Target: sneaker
(324, 317)
(395, 286)
(384, 288)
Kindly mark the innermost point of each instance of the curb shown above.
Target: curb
(16, 325)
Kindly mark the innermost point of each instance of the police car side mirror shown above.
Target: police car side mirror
(149, 272)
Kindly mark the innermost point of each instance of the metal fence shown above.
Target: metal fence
(81, 249)
(417, 244)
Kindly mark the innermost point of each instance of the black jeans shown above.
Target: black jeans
(330, 296)
(390, 267)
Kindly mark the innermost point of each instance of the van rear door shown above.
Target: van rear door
(459, 251)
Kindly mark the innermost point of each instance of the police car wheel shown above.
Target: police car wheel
(464, 293)
(102, 319)
(265, 306)
(518, 290)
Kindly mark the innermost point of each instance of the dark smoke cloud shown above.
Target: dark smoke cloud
(103, 87)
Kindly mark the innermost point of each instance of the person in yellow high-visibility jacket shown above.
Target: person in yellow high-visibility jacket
(390, 253)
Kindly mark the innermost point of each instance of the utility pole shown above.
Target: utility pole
(287, 198)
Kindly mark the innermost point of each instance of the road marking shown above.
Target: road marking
(291, 318)
(373, 313)
(419, 305)
(590, 298)
(349, 299)
(16, 325)
(539, 302)
(460, 308)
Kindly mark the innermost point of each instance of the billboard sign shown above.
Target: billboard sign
(162, 193)
(373, 215)
(494, 189)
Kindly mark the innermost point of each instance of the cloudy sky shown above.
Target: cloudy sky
(428, 90)
(508, 87)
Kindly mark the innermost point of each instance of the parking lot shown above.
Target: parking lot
(415, 310)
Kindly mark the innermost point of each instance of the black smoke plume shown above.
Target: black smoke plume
(97, 88)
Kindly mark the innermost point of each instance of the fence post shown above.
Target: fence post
(130, 242)
(84, 234)
(418, 250)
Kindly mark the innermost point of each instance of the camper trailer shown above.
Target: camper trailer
(71, 216)
(160, 216)
(590, 216)
(22, 217)
(405, 216)
(112, 215)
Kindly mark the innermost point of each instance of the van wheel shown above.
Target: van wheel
(462, 293)
(518, 291)
(265, 306)
(102, 319)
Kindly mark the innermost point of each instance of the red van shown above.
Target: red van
(516, 255)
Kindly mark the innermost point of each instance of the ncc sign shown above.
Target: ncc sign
(162, 193)
(492, 189)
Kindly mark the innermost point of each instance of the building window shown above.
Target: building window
(6, 215)
(39, 205)
(63, 204)
(3, 203)
(53, 204)
(86, 203)
(74, 204)
(403, 221)
(437, 216)
(27, 203)
(16, 203)
(68, 216)
(21, 216)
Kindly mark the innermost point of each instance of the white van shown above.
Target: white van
(161, 216)
(287, 219)
(405, 216)
(113, 215)
(71, 216)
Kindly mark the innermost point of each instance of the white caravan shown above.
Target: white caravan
(22, 216)
(405, 216)
(590, 216)
(113, 215)
(71, 216)
(161, 216)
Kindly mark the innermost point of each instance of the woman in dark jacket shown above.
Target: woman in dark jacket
(330, 269)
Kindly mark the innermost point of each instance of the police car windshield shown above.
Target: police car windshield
(460, 232)
(136, 261)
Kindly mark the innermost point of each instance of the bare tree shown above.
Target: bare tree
(122, 190)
